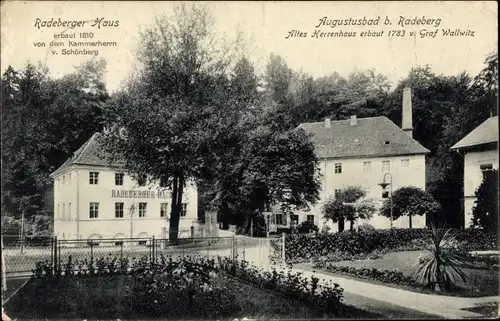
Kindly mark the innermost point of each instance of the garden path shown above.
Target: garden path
(443, 306)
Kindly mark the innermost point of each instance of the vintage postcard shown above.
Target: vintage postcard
(249, 160)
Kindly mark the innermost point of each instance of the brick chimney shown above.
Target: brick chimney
(354, 120)
(407, 122)
(328, 123)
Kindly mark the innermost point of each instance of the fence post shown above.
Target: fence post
(244, 249)
(283, 257)
(55, 254)
(121, 255)
(52, 250)
(154, 249)
(91, 251)
(234, 250)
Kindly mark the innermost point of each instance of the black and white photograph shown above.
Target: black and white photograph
(249, 160)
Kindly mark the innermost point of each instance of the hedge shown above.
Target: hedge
(364, 243)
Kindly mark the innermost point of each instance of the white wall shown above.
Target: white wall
(473, 177)
(353, 174)
(80, 193)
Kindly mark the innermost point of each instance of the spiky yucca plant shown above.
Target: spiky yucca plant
(442, 267)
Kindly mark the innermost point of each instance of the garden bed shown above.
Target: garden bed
(190, 288)
(481, 281)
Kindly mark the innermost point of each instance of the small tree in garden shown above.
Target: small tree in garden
(337, 210)
(485, 211)
(409, 201)
(442, 267)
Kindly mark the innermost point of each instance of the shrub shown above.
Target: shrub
(305, 247)
(191, 283)
(366, 227)
(307, 227)
(386, 276)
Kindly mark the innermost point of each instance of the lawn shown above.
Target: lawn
(481, 281)
(104, 297)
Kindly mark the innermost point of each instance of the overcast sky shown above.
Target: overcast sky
(265, 26)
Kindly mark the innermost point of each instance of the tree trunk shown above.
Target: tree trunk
(177, 190)
(409, 218)
(352, 225)
(341, 224)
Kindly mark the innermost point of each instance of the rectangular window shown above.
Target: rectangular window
(163, 209)
(310, 218)
(69, 211)
(338, 168)
(405, 163)
(58, 213)
(163, 182)
(279, 219)
(485, 168)
(367, 167)
(93, 178)
(118, 210)
(337, 193)
(386, 166)
(183, 209)
(294, 219)
(69, 178)
(119, 179)
(142, 209)
(64, 179)
(64, 211)
(94, 210)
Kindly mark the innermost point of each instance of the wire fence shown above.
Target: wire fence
(21, 257)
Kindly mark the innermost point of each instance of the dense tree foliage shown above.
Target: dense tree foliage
(44, 120)
(485, 211)
(410, 201)
(192, 114)
(340, 207)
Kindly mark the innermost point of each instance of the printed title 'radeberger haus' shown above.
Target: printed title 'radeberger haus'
(95, 199)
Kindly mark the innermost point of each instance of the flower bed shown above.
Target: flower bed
(481, 281)
(181, 287)
(350, 245)
(385, 276)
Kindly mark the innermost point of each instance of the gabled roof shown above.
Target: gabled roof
(485, 133)
(370, 137)
(88, 154)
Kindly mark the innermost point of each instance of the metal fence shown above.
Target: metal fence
(20, 257)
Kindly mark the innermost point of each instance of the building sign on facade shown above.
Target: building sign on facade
(139, 194)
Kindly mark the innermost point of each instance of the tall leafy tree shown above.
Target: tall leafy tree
(485, 210)
(166, 125)
(340, 208)
(409, 201)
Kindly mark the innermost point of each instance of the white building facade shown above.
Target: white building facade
(361, 152)
(95, 200)
(479, 150)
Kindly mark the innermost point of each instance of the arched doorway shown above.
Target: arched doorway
(94, 239)
(142, 238)
(119, 239)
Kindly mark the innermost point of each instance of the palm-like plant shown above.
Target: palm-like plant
(442, 267)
